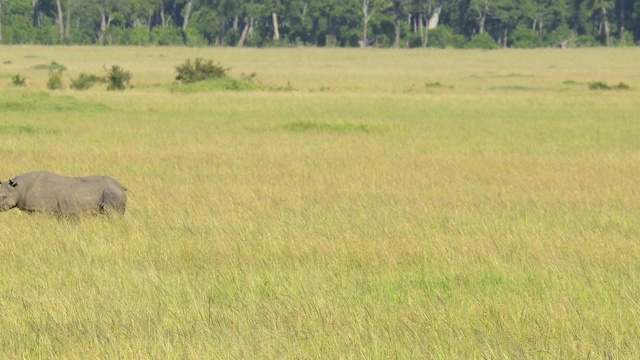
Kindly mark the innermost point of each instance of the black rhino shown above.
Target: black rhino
(42, 191)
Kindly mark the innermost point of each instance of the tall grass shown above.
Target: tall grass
(360, 215)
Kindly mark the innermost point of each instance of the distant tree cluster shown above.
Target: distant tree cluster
(349, 23)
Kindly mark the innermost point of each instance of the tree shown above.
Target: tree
(508, 13)
(1, 1)
(481, 9)
(399, 7)
(545, 13)
(60, 22)
(36, 13)
(318, 22)
(187, 12)
(368, 9)
(594, 17)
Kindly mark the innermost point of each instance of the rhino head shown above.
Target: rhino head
(8, 195)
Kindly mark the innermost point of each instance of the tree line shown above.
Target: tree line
(346, 23)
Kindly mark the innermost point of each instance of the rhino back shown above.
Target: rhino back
(48, 192)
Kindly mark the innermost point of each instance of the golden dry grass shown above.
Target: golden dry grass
(409, 204)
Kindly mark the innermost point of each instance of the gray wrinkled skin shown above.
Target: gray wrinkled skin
(42, 191)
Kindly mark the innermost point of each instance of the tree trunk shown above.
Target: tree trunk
(60, 22)
(162, 20)
(314, 31)
(187, 12)
(36, 13)
(243, 37)
(103, 26)
(67, 30)
(435, 18)
(235, 22)
(396, 43)
(423, 35)
(506, 37)
(607, 30)
(276, 32)
(222, 30)
(366, 16)
(482, 16)
(621, 20)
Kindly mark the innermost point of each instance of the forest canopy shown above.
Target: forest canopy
(347, 23)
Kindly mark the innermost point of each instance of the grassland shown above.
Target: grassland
(364, 204)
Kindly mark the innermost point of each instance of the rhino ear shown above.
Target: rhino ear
(13, 183)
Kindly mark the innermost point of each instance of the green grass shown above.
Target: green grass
(359, 221)
(304, 126)
(27, 101)
(220, 84)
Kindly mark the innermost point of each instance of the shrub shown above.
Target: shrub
(561, 34)
(85, 81)
(194, 38)
(443, 37)
(525, 38)
(55, 76)
(139, 35)
(18, 80)
(231, 37)
(482, 41)
(118, 78)
(621, 86)
(166, 36)
(600, 85)
(199, 70)
(440, 37)
(55, 79)
(587, 41)
(251, 78)
(627, 39)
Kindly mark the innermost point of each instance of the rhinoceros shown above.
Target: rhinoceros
(46, 192)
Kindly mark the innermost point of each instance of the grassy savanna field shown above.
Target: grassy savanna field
(362, 204)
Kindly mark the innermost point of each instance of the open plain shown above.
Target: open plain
(357, 203)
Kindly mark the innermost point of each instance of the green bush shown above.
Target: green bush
(440, 37)
(443, 37)
(55, 78)
(139, 35)
(85, 81)
(199, 70)
(166, 36)
(482, 41)
(231, 37)
(524, 37)
(627, 40)
(587, 41)
(600, 85)
(118, 78)
(47, 35)
(561, 34)
(18, 80)
(193, 37)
